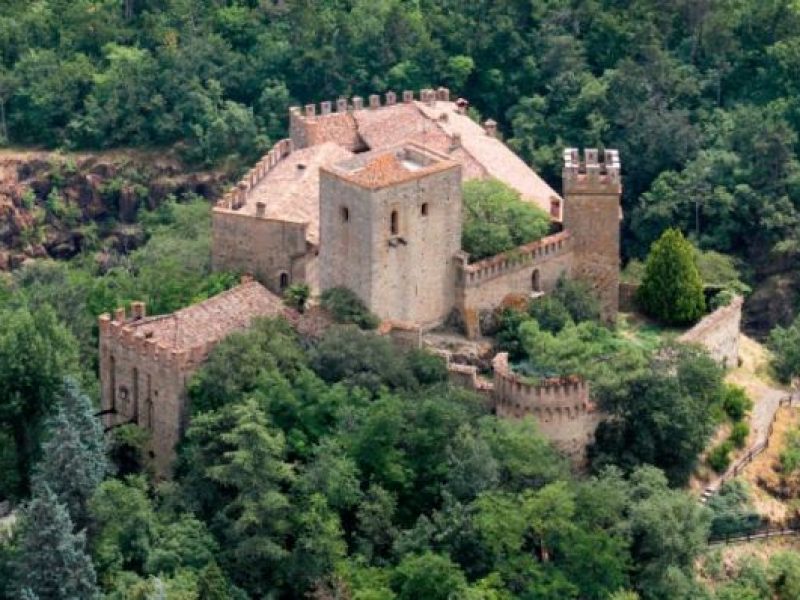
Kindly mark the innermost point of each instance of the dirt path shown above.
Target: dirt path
(766, 394)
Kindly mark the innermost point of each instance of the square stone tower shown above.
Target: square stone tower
(390, 229)
(592, 213)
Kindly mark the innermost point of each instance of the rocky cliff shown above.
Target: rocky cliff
(55, 204)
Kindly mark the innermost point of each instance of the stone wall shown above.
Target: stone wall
(145, 383)
(562, 407)
(273, 251)
(719, 333)
(532, 268)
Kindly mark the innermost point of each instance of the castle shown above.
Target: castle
(369, 198)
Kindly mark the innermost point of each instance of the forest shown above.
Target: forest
(343, 468)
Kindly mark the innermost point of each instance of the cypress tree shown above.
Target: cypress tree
(52, 563)
(672, 290)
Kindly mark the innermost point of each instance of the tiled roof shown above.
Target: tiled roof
(210, 320)
(290, 191)
(380, 168)
(335, 127)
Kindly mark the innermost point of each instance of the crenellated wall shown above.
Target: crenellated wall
(562, 407)
(245, 241)
(719, 333)
(526, 270)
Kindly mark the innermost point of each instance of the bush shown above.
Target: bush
(785, 345)
(739, 434)
(736, 402)
(719, 458)
(578, 298)
(296, 296)
(345, 307)
(497, 220)
(672, 290)
(550, 313)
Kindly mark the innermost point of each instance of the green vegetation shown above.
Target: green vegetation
(671, 288)
(345, 307)
(497, 220)
(735, 406)
(785, 344)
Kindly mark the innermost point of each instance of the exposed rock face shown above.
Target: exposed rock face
(46, 199)
(774, 301)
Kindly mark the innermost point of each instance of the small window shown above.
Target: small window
(535, 285)
(345, 214)
(284, 281)
(424, 209)
(394, 226)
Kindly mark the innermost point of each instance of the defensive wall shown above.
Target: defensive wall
(274, 251)
(530, 269)
(561, 406)
(719, 333)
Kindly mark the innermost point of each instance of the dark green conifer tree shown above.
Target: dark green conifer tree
(672, 290)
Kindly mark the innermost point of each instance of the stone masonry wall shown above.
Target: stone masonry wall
(145, 383)
(247, 243)
(719, 333)
(534, 267)
(562, 407)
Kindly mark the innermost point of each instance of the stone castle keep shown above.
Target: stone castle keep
(369, 197)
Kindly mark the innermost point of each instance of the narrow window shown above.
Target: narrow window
(136, 395)
(535, 281)
(284, 281)
(345, 214)
(394, 224)
(424, 209)
(113, 384)
(149, 402)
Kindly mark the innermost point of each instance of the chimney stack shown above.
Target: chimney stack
(490, 127)
(261, 209)
(119, 314)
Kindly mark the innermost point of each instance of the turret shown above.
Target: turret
(592, 190)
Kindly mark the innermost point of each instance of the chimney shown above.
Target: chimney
(461, 106)
(138, 310)
(119, 314)
(443, 94)
(391, 98)
(374, 101)
(326, 107)
(408, 96)
(261, 209)
(490, 127)
(358, 103)
(341, 105)
(311, 110)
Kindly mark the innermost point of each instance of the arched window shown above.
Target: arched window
(535, 286)
(284, 280)
(424, 209)
(345, 214)
(394, 225)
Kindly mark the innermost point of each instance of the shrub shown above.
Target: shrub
(719, 458)
(671, 289)
(736, 402)
(296, 296)
(785, 344)
(790, 457)
(739, 434)
(550, 313)
(496, 219)
(427, 368)
(345, 307)
(578, 299)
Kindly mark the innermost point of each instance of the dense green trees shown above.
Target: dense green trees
(671, 288)
(496, 219)
(785, 344)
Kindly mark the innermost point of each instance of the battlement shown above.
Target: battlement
(343, 105)
(483, 270)
(236, 197)
(590, 174)
(121, 331)
(553, 399)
